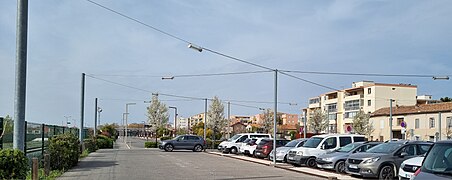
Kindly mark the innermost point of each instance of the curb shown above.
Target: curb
(276, 166)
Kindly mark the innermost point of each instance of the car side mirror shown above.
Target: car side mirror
(403, 154)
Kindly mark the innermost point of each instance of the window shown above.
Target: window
(359, 139)
(344, 141)
(243, 138)
(416, 124)
(382, 124)
(369, 91)
(350, 114)
(351, 105)
(314, 100)
(369, 102)
(399, 121)
(330, 143)
(423, 148)
(410, 150)
(332, 116)
(331, 107)
(431, 123)
(449, 122)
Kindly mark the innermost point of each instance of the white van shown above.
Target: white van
(233, 144)
(318, 145)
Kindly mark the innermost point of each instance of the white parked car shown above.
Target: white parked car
(249, 148)
(244, 143)
(233, 144)
(319, 145)
(409, 166)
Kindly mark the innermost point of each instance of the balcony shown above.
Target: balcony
(354, 97)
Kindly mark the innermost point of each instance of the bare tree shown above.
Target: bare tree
(157, 114)
(318, 122)
(361, 124)
(267, 124)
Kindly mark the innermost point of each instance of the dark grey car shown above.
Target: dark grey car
(437, 163)
(336, 159)
(190, 142)
(384, 160)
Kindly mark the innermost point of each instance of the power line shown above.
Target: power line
(138, 21)
(361, 74)
(119, 84)
(308, 81)
(238, 59)
(184, 75)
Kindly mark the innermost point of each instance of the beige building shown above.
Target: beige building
(195, 119)
(341, 106)
(422, 120)
(289, 119)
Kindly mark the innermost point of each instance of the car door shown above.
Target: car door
(239, 141)
(181, 142)
(329, 144)
(410, 150)
(192, 141)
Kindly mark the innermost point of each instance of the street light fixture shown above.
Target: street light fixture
(175, 119)
(168, 77)
(195, 47)
(126, 116)
(440, 77)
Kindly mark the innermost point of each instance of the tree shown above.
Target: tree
(8, 126)
(361, 124)
(157, 114)
(267, 124)
(445, 99)
(215, 116)
(318, 122)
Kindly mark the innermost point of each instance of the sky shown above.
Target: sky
(68, 38)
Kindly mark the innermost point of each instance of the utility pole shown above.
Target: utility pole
(305, 128)
(439, 126)
(390, 120)
(275, 116)
(95, 117)
(82, 112)
(21, 75)
(229, 116)
(205, 117)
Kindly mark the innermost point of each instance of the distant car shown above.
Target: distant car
(281, 152)
(383, 161)
(243, 144)
(249, 148)
(233, 144)
(437, 163)
(264, 147)
(190, 142)
(409, 166)
(336, 160)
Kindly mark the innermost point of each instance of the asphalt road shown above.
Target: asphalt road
(140, 163)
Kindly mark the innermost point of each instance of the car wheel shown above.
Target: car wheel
(233, 150)
(169, 147)
(340, 167)
(386, 172)
(285, 159)
(198, 148)
(310, 162)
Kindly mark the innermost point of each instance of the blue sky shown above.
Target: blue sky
(67, 38)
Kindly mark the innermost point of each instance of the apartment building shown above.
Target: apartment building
(182, 123)
(342, 105)
(422, 122)
(289, 119)
(195, 119)
(242, 119)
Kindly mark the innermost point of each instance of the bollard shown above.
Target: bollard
(46, 165)
(332, 178)
(35, 168)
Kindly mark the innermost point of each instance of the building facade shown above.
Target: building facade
(423, 122)
(182, 123)
(342, 105)
(195, 119)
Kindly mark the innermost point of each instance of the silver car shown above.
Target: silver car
(336, 159)
(281, 152)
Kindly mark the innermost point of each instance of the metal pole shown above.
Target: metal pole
(95, 117)
(126, 123)
(229, 116)
(1, 133)
(305, 128)
(439, 125)
(82, 111)
(21, 74)
(275, 116)
(390, 120)
(205, 117)
(328, 117)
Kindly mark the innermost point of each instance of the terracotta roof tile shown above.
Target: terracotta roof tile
(417, 109)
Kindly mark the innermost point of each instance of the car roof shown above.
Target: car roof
(340, 135)
(410, 142)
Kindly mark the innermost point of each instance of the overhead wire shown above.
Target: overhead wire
(361, 74)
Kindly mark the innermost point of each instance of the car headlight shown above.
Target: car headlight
(371, 160)
(300, 153)
(327, 159)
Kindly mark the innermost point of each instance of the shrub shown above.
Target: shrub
(150, 144)
(64, 150)
(90, 145)
(13, 164)
(104, 142)
(165, 138)
(209, 143)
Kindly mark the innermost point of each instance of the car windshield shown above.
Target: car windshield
(384, 148)
(292, 143)
(312, 142)
(348, 147)
(439, 160)
(235, 137)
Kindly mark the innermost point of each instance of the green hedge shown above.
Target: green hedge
(165, 138)
(13, 164)
(150, 144)
(90, 145)
(104, 142)
(209, 144)
(64, 150)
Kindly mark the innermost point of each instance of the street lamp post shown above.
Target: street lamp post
(175, 120)
(126, 118)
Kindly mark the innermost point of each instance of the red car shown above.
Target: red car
(264, 148)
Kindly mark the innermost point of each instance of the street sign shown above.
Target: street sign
(403, 124)
(301, 129)
(349, 128)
